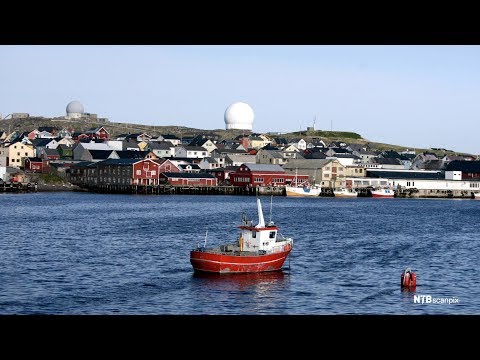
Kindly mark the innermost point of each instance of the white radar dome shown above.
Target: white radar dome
(239, 115)
(75, 107)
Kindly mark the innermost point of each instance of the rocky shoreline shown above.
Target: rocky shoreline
(58, 187)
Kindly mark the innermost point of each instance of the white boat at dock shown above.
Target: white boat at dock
(345, 192)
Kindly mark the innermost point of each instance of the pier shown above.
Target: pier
(185, 190)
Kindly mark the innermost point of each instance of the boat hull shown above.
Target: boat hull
(299, 191)
(205, 261)
(383, 194)
(345, 194)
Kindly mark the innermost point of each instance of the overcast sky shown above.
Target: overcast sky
(416, 96)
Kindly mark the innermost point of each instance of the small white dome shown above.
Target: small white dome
(75, 107)
(239, 115)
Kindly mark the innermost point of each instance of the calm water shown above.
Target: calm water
(80, 253)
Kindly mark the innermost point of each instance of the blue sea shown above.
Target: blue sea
(84, 253)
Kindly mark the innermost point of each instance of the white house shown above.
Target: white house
(300, 144)
(186, 151)
(209, 163)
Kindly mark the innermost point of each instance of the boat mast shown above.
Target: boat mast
(271, 203)
(261, 221)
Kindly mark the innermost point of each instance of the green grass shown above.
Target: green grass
(51, 179)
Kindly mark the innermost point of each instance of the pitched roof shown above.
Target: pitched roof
(94, 146)
(131, 154)
(306, 163)
(160, 145)
(169, 137)
(386, 161)
(50, 151)
(464, 166)
(193, 148)
(41, 142)
(433, 165)
(122, 162)
(340, 150)
(265, 167)
(100, 154)
(242, 158)
(230, 151)
(390, 154)
(314, 155)
(85, 164)
(273, 153)
(347, 156)
(94, 130)
(404, 175)
(34, 159)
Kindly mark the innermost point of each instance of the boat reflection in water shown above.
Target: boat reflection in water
(262, 283)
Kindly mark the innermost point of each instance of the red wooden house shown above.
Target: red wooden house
(145, 172)
(34, 164)
(97, 133)
(188, 179)
(223, 174)
(167, 166)
(262, 175)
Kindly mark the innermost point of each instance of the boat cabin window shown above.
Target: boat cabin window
(254, 234)
(272, 234)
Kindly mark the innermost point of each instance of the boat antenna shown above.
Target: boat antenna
(205, 242)
(271, 202)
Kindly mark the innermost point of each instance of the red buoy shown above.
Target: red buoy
(408, 279)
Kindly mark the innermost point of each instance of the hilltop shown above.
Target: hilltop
(116, 128)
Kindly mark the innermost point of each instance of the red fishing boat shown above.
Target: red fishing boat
(259, 248)
(383, 193)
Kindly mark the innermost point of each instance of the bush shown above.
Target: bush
(51, 179)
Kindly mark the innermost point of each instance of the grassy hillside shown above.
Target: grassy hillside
(116, 129)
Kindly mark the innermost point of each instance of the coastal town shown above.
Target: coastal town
(206, 163)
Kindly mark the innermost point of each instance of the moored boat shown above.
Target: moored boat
(383, 193)
(476, 196)
(306, 190)
(344, 192)
(259, 248)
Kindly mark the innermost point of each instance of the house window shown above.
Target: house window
(254, 234)
(326, 175)
(139, 172)
(327, 168)
(26, 154)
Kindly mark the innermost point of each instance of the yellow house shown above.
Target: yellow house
(329, 173)
(257, 142)
(16, 153)
(355, 171)
(141, 145)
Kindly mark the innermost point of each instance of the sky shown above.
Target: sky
(417, 96)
